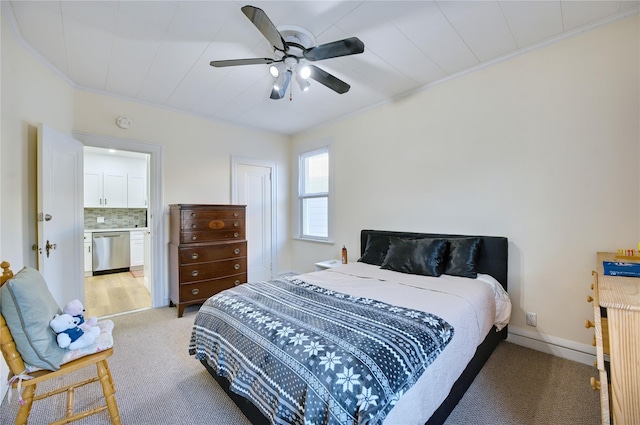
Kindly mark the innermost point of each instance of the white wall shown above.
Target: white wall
(30, 94)
(543, 149)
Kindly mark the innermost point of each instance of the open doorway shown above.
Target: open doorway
(116, 197)
(150, 274)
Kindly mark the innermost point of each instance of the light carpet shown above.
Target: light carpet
(157, 382)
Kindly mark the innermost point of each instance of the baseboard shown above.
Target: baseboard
(560, 347)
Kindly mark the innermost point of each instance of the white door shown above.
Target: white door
(60, 214)
(253, 188)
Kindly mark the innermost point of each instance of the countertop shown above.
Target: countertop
(121, 229)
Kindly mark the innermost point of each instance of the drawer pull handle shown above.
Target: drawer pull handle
(589, 298)
(236, 266)
(235, 235)
(194, 256)
(595, 384)
(194, 226)
(236, 224)
(193, 214)
(195, 291)
(235, 214)
(236, 251)
(194, 237)
(194, 273)
(236, 283)
(589, 324)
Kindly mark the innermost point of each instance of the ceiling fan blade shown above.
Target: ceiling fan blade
(348, 46)
(326, 79)
(265, 26)
(279, 92)
(235, 62)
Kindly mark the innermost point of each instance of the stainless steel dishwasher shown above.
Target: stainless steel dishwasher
(111, 252)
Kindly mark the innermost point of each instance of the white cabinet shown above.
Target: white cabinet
(106, 189)
(88, 253)
(136, 241)
(115, 190)
(136, 191)
(92, 189)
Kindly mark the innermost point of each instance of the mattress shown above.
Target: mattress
(471, 306)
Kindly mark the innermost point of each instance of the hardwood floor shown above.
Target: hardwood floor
(115, 293)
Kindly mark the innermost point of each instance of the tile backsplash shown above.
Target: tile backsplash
(115, 218)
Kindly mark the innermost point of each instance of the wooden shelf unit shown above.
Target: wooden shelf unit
(618, 336)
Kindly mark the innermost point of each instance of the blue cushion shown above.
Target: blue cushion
(27, 306)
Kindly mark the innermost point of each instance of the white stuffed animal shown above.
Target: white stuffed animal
(69, 335)
(76, 309)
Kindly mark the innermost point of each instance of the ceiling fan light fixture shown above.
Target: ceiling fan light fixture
(274, 71)
(302, 82)
(280, 80)
(304, 72)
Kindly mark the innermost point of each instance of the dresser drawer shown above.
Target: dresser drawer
(213, 225)
(205, 289)
(206, 253)
(206, 236)
(212, 214)
(205, 271)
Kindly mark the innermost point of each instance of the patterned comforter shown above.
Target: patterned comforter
(307, 355)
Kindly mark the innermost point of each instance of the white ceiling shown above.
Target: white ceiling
(158, 52)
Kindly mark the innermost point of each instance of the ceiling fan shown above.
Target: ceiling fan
(293, 48)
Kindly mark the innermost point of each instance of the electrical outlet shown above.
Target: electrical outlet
(532, 319)
(100, 219)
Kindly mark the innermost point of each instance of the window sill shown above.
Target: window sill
(326, 242)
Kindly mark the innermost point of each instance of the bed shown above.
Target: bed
(395, 338)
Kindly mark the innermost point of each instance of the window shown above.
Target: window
(314, 194)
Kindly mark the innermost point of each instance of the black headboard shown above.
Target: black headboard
(493, 254)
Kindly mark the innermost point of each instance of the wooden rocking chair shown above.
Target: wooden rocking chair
(17, 369)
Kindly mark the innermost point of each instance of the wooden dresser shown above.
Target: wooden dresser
(616, 306)
(207, 251)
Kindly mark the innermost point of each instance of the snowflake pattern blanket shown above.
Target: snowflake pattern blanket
(307, 355)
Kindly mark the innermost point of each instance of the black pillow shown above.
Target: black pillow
(463, 257)
(417, 256)
(375, 250)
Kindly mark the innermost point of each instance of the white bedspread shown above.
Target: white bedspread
(471, 306)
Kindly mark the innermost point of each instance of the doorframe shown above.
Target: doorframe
(272, 165)
(159, 286)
